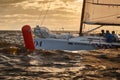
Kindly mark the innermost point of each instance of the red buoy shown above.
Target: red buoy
(28, 38)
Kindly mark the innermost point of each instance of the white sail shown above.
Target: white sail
(102, 12)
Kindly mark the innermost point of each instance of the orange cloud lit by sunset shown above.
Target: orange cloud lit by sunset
(61, 13)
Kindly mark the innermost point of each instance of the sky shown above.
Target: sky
(53, 14)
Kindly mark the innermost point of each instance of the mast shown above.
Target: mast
(82, 17)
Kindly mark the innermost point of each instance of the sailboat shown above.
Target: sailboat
(94, 12)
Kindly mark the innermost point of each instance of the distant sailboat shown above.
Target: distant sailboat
(94, 12)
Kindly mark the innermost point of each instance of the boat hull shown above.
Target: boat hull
(60, 44)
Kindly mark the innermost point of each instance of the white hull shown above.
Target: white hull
(79, 43)
(63, 44)
(57, 44)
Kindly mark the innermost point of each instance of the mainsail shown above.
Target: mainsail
(102, 12)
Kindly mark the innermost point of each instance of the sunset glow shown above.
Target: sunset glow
(60, 13)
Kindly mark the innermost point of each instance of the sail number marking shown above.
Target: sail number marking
(38, 43)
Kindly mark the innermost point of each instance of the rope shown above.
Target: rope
(46, 13)
(39, 18)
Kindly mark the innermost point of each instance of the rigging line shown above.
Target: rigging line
(105, 17)
(39, 17)
(46, 12)
(118, 17)
(103, 4)
(41, 14)
(93, 29)
(101, 23)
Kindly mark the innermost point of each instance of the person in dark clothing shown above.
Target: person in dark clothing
(108, 37)
(102, 33)
(114, 37)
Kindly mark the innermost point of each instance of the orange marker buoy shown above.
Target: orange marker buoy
(28, 38)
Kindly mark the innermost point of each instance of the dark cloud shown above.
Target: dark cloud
(10, 1)
(46, 1)
(67, 1)
(6, 6)
(61, 11)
